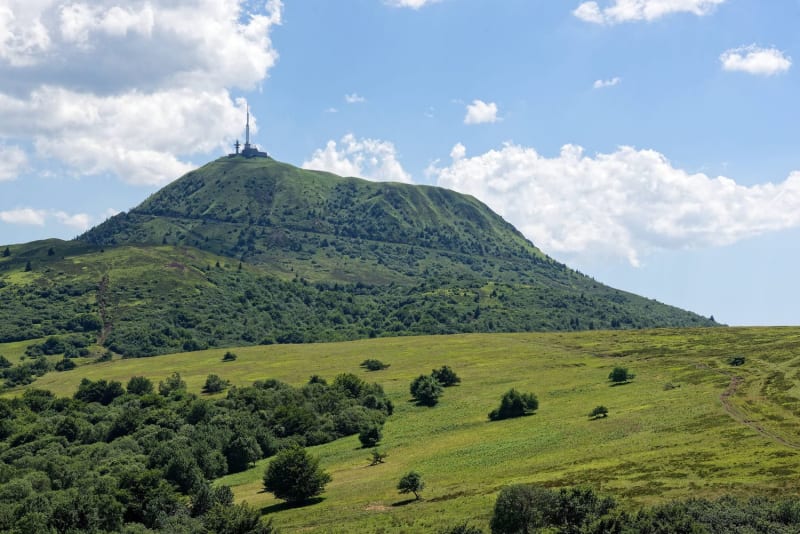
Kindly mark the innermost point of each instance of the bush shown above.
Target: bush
(229, 357)
(736, 360)
(377, 457)
(620, 375)
(411, 483)
(4, 362)
(599, 411)
(374, 365)
(515, 404)
(139, 385)
(65, 365)
(426, 390)
(214, 384)
(295, 476)
(446, 376)
(370, 435)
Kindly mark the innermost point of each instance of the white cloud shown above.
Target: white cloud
(459, 152)
(354, 98)
(623, 204)
(372, 159)
(12, 161)
(754, 60)
(600, 84)
(67, 83)
(480, 112)
(28, 216)
(331, 110)
(40, 217)
(637, 10)
(413, 4)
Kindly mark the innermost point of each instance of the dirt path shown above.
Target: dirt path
(727, 402)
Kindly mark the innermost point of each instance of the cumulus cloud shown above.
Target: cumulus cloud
(40, 217)
(637, 10)
(12, 160)
(754, 60)
(354, 98)
(413, 4)
(623, 204)
(372, 159)
(480, 112)
(600, 84)
(67, 83)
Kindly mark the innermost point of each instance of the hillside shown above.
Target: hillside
(689, 425)
(259, 252)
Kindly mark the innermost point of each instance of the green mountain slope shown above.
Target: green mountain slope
(257, 251)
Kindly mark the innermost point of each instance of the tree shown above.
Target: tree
(599, 411)
(4, 362)
(620, 375)
(172, 383)
(139, 385)
(295, 476)
(370, 435)
(515, 404)
(65, 365)
(426, 390)
(377, 457)
(229, 357)
(7, 252)
(411, 483)
(214, 384)
(522, 508)
(446, 376)
(28, 266)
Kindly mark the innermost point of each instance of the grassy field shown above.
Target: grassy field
(689, 424)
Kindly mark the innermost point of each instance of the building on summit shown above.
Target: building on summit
(248, 150)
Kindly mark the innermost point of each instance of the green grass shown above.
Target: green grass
(667, 435)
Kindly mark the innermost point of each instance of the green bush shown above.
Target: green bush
(294, 476)
(515, 404)
(426, 390)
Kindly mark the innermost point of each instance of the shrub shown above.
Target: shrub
(65, 365)
(370, 435)
(426, 390)
(374, 365)
(295, 476)
(377, 457)
(515, 404)
(229, 357)
(411, 483)
(620, 375)
(214, 384)
(599, 411)
(4, 362)
(446, 376)
(736, 360)
(139, 385)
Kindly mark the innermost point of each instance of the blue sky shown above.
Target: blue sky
(651, 144)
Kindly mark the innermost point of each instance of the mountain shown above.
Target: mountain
(254, 251)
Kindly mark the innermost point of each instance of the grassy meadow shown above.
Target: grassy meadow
(689, 424)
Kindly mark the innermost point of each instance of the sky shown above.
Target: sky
(650, 144)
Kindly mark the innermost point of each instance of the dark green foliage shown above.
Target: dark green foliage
(515, 404)
(370, 436)
(377, 457)
(65, 365)
(28, 266)
(4, 362)
(736, 360)
(446, 376)
(620, 375)
(463, 528)
(6, 252)
(294, 476)
(229, 357)
(374, 365)
(411, 482)
(598, 411)
(214, 384)
(171, 385)
(426, 390)
(99, 391)
(107, 356)
(139, 385)
(114, 462)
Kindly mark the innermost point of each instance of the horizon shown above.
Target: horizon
(649, 147)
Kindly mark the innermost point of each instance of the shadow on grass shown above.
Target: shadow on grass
(616, 384)
(405, 502)
(279, 507)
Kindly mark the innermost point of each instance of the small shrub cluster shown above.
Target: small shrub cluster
(515, 404)
(374, 365)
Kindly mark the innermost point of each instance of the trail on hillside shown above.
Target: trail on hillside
(727, 403)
